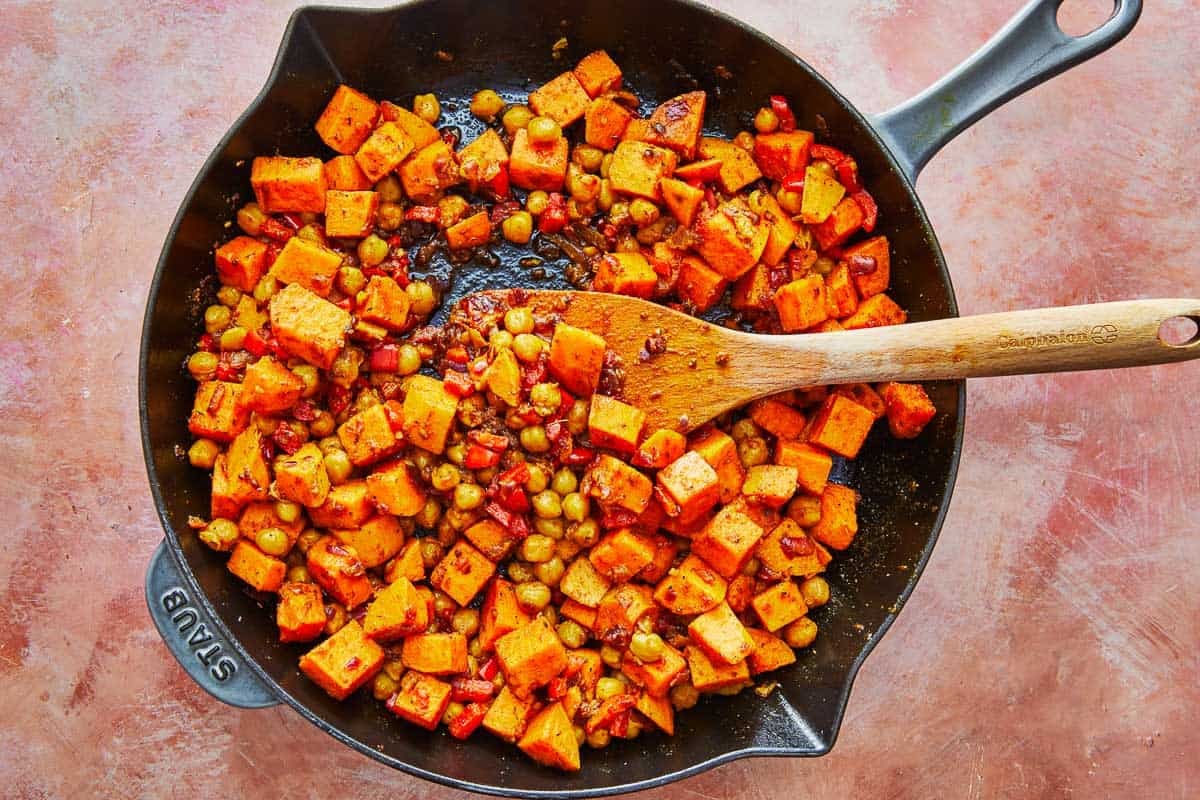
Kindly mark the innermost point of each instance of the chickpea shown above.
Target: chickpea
(789, 201)
(465, 621)
(329, 444)
(287, 511)
(307, 538)
(445, 477)
(422, 297)
(519, 572)
(311, 233)
(500, 339)
(323, 425)
(545, 398)
(647, 647)
(250, 218)
(518, 228)
(429, 514)
(516, 118)
(800, 633)
(643, 212)
(233, 338)
(265, 289)
(588, 157)
(824, 167)
(527, 347)
(338, 466)
(547, 504)
(572, 634)
(351, 280)
(805, 510)
(203, 365)
(216, 319)
(427, 107)
(684, 696)
(538, 480)
(599, 738)
(586, 533)
(745, 140)
(766, 121)
(604, 199)
(610, 656)
(311, 378)
(335, 618)
(409, 359)
(220, 534)
(534, 439)
(431, 552)
(372, 251)
(575, 507)
(518, 320)
(543, 130)
(272, 541)
(549, 527)
(384, 686)
(753, 451)
(203, 453)
(228, 296)
(389, 216)
(533, 596)
(815, 591)
(608, 688)
(823, 265)
(606, 165)
(582, 187)
(550, 572)
(564, 482)
(537, 202)
(390, 189)
(577, 417)
(744, 429)
(486, 104)
(537, 548)
(451, 209)
(468, 496)
(298, 574)
(265, 425)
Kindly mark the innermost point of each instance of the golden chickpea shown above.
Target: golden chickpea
(518, 228)
(550, 572)
(745, 140)
(684, 696)
(536, 548)
(338, 466)
(486, 104)
(422, 296)
(216, 319)
(606, 165)
(323, 425)
(250, 218)
(266, 288)
(389, 216)
(805, 510)
(203, 453)
(643, 212)
(228, 296)
(815, 591)
(451, 209)
(647, 647)
(273, 541)
(800, 633)
(351, 280)
(527, 347)
(610, 656)
(410, 359)
(789, 201)
(335, 618)
(220, 534)
(608, 688)
(599, 738)
(431, 552)
(604, 200)
(203, 365)
(287, 511)
(766, 121)
(534, 439)
(586, 533)
(518, 320)
(824, 167)
(533, 596)
(465, 621)
(543, 130)
(390, 189)
(384, 686)
(372, 251)
(429, 514)
(298, 574)
(307, 538)
(537, 202)
(588, 157)
(753, 451)
(552, 527)
(311, 377)
(519, 572)
(516, 118)
(572, 634)
(427, 107)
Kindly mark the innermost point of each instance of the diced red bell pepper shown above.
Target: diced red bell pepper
(458, 355)
(430, 214)
(793, 181)
(555, 428)
(256, 344)
(535, 373)
(610, 710)
(504, 210)
(274, 229)
(292, 220)
(579, 456)
(787, 120)
(492, 441)
(847, 173)
(468, 721)
(339, 398)
(869, 208)
(458, 383)
(226, 371)
(479, 457)
(862, 264)
(304, 411)
(489, 669)
(515, 524)
(471, 690)
(394, 413)
(207, 343)
(385, 358)
(287, 439)
(557, 688)
(554, 218)
(620, 725)
(661, 268)
(345, 304)
(823, 152)
(618, 518)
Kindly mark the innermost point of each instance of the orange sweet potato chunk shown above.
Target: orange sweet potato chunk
(841, 425)
(584, 583)
(658, 710)
(665, 550)
(841, 296)
(337, 569)
(625, 273)
(597, 73)
(261, 515)
(368, 437)
(572, 609)
(656, 677)
(839, 517)
(375, 541)
(383, 151)
(576, 358)
(428, 172)
(732, 238)
(802, 303)
(770, 484)
(660, 448)
(422, 699)
(550, 739)
(779, 605)
(782, 153)
(350, 214)
(490, 538)
(846, 218)
(621, 555)
(538, 166)
(865, 396)
(787, 550)
(676, 124)
(347, 506)
(308, 326)
(727, 541)
(246, 469)
(783, 230)
(613, 482)
(217, 412)
(301, 476)
(386, 303)
(508, 715)
(288, 184)
(691, 484)
(753, 290)
(269, 387)
(347, 120)
(710, 676)
(501, 614)
(395, 489)
(343, 662)
(531, 656)
(308, 264)
(397, 611)
(875, 312)
(263, 572)
(563, 99)
(605, 122)
(429, 410)
(470, 232)
(770, 652)
(691, 588)
(483, 160)
(722, 635)
(241, 262)
(777, 418)
(621, 608)
(614, 424)
(811, 463)
(699, 284)
(908, 409)
(435, 653)
(873, 282)
(720, 451)
(738, 169)
(344, 174)
(300, 614)
(637, 168)
(462, 572)
(420, 132)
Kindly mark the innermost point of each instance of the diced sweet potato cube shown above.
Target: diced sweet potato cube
(346, 506)
(732, 238)
(368, 437)
(261, 515)
(429, 411)
(246, 469)
(395, 489)
(705, 170)
(665, 550)
(350, 214)
(308, 264)
(658, 710)
(875, 312)
(787, 551)
(576, 358)
(508, 715)
(503, 377)
(721, 634)
(490, 538)
(822, 193)
(422, 699)
(501, 614)
(660, 448)
(777, 418)
(841, 425)
(839, 517)
(908, 409)
(691, 588)
(770, 484)
(597, 73)
(638, 167)
(386, 148)
(386, 303)
(605, 123)
(846, 218)
(656, 677)
(779, 605)
(269, 387)
(782, 153)
(783, 230)
(563, 99)
(397, 611)
(420, 132)
(407, 564)
(636, 131)
(875, 282)
(740, 593)
(462, 572)
(343, 662)
(338, 570)
(614, 424)
(573, 609)
(865, 396)
(727, 541)
(241, 262)
(770, 652)
(223, 503)
(301, 477)
(300, 614)
(482, 161)
(625, 273)
(217, 412)
(841, 296)
(531, 656)
(550, 739)
(753, 291)
(621, 555)
(435, 653)
(699, 284)
(344, 174)
(708, 676)
(583, 583)
(429, 172)
(542, 166)
(691, 484)
(613, 482)
(263, 572)
(308, 326)
(473, 231)
(720, 451)
(621, 608)
(801, 304)
(347, 120)
(288, 184)
(738, 169)
(375, 541)
(676, 124)
(247, 314)
(812, 464)
(683, 200)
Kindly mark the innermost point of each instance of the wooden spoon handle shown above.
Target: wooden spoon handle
(1099, 336)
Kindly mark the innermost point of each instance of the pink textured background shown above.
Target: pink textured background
(1051, 649)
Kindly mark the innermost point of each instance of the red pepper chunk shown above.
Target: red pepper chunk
(557, 688)
(459, 384)
(468, 721)
(208, 344)
(489, 669)
(479, 457)
(256, 345)
(492, 441)
(787, 120)
(471, 690)
(385, 358)
(274, 229)
(869, 208)
(339, 398)
(430, 214)
(554, 218)
(824, 152)
(514, 523)
(847, 173)
(794, 181)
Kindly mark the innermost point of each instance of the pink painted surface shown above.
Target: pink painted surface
(1049, 651)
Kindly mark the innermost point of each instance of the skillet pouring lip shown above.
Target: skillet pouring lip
(299, 24)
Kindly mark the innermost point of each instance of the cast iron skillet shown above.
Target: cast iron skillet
(222, 635)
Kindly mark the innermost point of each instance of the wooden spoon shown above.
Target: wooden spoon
(706, 369)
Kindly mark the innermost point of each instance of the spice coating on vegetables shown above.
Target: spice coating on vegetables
(469, 518)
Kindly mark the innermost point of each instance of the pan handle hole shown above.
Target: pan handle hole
(1180, 331)
(1081, 17)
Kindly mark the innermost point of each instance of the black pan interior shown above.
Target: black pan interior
(664, 48)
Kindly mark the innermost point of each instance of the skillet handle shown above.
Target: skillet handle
(1030, 49)
(197, 644)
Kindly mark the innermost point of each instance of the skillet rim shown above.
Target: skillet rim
(297, 18)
